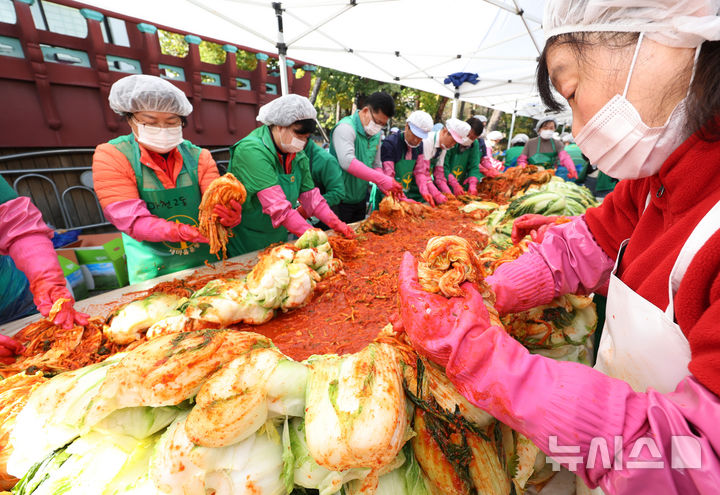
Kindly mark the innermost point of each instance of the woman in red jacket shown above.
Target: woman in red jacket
(643, 84)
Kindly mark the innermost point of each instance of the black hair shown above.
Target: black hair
(183, 120)
(703, 103)
(476, 125)
(381, 101)
(305, 126)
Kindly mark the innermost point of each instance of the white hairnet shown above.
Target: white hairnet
(140, 92)
(422, 120)
(495, 135)
(481, 118)
(458, 129)
(543, 120)
(286, 110)
(678, 23)
(567, 138)
(519, 139)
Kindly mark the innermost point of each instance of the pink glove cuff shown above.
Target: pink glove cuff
(276, 205)
(522, 161)
(522, 284)
(388, 168)
(310, 200)
(314, 204)
(19, 218)
(567, 262)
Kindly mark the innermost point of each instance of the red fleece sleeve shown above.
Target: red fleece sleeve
(615, 219)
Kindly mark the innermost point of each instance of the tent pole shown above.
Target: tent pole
(521, 13)
(282, 49)
(455, 104)
(512, 124)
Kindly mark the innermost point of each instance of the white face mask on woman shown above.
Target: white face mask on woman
(547, 134)
(622, 145)
(158, 139)
(294, 146)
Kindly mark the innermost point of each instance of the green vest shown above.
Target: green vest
(512, 154)
(180, 204)
(256, 231)
(365, 150)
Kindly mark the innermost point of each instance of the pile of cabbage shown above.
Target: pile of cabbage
(283, 279)
(225, 412)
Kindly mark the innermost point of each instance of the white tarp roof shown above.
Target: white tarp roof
(416, 43)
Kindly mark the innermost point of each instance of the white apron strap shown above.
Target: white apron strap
(709, 224)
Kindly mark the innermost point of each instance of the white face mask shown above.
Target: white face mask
(546, 134)
(158, 139)
(294, 146)
(467, 141)
(372, 127)
(410, 145)
(622, 145)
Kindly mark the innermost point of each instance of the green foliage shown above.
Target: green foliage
(173, 44)
(212, 53)
(246, 60)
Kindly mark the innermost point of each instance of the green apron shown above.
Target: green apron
(547, 160)
(256, 231)
(366, 148)
(146, 259)
(511, 156)
(458, 162)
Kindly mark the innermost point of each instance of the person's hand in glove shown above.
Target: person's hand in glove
(387, 185)
(187, 233)
(229, 216)
(9, 348)
(472, 183)
(567, 162)
(434, 323)
(457, 189)
(533, 224)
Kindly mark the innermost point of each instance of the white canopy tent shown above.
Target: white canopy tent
(416, 43)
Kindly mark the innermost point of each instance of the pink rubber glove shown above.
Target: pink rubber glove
(388, 168)
(532, 224)
(488, 167)
(421, 173)
(35, 256)
(567, 405)
(229, 217)
(566, 161)
(387, 185)
(276, 205)
(457, 189)
(9, 348)
(522, 161)
(132, 217)
(26, 239)
(439, 197)
(568, 261)
(313, 203)
(440, 180)
(472, 183)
